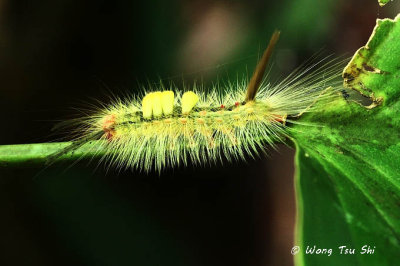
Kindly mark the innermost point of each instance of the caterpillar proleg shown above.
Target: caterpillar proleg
(168, 127)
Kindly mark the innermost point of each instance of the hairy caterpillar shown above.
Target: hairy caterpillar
(167, 127)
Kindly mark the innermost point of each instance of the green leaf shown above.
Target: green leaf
(383, 2)
(348, 167)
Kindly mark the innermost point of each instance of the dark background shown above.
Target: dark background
(57, 55)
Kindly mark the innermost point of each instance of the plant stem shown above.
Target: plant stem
(39, 153)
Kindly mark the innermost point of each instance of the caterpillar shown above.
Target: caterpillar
(167, 127)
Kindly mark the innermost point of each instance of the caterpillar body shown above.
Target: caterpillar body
(168, 128)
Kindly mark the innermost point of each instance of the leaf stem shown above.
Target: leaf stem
(39, 153)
